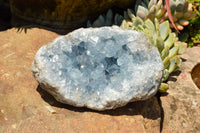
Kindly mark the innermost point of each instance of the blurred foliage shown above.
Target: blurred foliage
(194, 26)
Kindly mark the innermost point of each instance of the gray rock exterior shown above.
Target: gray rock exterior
(99, 68)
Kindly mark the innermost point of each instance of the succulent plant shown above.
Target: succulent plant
(107, 19)
(152, 21)
(181, 11)
(194, 27)
(194, 32)
(164, 39)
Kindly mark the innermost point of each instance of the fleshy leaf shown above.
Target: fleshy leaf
(118, 19)
(182, 46)
(174, 64)
(109, 17)
(164, 29)
(163, 87)
(89, 23)
(160, 13)
(152, 3)
(150, 26)
(138, 21)
(99, 22)
(170, 40)
(142, 12)
(130, 14)
(166, 62)
(173, 52)
(124, 25)
(165, 75)
(165, 53)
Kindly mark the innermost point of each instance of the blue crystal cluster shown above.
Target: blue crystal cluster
(99, 68)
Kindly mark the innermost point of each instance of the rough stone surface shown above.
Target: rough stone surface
(26, 108)
(181, 105)
(100, 68)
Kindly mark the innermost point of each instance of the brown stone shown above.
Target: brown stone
(25, 107)
(181, 104)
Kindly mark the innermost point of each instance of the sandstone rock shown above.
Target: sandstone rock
(23, 105)
(100, 68)
(23, 110)
(181, 105)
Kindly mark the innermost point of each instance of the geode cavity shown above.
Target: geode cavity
(100, 68)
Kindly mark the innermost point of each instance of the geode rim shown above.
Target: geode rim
(51, 68)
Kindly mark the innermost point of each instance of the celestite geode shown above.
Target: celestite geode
(99, 68)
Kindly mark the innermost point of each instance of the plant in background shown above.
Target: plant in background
(161, 37)
(196, 6)
(151, 18)
(106, 20)
(181, 11)
(194, 27)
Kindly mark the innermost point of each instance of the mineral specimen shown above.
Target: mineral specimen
(99, 68)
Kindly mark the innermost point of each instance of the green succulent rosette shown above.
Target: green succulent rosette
(159, 33)
(181, 11)
(164, 39)
(107, 19)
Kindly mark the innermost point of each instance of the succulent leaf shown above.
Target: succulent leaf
(160, 12)
(174, 64)
(180, 9)
(163, 87)
(152, 3)
(109, 17)
(173, 51)
(126, 17)
(99, 22)
(89, 23)
(164, 32)
(130, 14)
(159, 34)
(142, 12)
(165, 53)
(160, 43)
(150, 26)
(159, 5)
(182, 46)
(172, 5)
(152, 10)
(118, 19)
(178, 15)
(166, 62)
(138, 21)
(170, 40)
(179, 27)
(165, 75)
(184, 22)
(124, 25)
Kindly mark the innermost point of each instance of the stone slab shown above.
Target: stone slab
(24, 107)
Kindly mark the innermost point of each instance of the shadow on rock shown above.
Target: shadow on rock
(8, 21)
(5, 16)
(183, 59)
(148, 109)
(176, 73)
